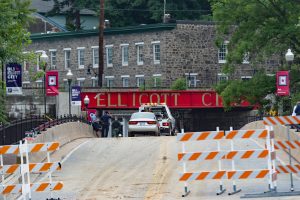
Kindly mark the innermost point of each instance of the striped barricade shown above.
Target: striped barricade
(33, 167)
(295, 144)
(281, 120)
(286, 169)
(232, 154)
(32, 148)
(36, 187)
(25, 168)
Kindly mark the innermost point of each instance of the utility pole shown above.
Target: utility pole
(101, 47)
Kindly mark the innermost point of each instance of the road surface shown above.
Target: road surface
(146, 168)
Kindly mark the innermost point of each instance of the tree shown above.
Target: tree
(135, 12)
(179, 84)
(72, 10)
(14, 18)
(259, 28)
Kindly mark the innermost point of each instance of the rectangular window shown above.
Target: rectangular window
(140, 80)
(156, 52)
(25, 84)
(94, 81)
(246, 78)
(109, 81)
(25, 63)
(246, 58)
(109, 55)
(222, 77)
(95, 56)
(156, 80)
(223, 52)
(67, 52)
(124, 54)
(125, 80)
(52, 58)
(38, 60)
(80, 57)
(66, 85)
(39, 83)
(80, 82)
(191, 79)
(139, 53)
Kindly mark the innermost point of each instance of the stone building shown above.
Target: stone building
(157, 54)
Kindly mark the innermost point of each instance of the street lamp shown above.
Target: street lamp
(86, 102)
(69, 76)
(289, 57)
(44, 58)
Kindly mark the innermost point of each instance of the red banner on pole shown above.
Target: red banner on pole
(52, 83)
(283, 83)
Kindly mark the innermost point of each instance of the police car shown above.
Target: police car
(163, 115)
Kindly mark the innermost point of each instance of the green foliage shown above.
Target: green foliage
(135, 12)
(14, 18)
(179, 84)
(262, 28)
(253, 90)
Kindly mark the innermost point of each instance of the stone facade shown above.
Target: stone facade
(185, 49)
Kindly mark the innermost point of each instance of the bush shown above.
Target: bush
(179, 84)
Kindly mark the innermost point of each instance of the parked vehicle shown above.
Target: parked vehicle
(164, 116)
(143, 122)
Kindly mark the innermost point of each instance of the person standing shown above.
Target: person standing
(105, 126)
(296, 110)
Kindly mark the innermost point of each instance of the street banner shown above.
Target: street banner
(13, 79)
(76, 98)
(283, 83)
(52, 83)
(91, 112)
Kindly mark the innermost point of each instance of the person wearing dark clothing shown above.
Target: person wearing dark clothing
(297, 109)
(105, 126)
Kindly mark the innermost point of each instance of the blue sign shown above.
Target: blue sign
(13, 78)
(76, 99)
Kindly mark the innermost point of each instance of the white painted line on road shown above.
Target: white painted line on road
(68, 156)
(281, 161)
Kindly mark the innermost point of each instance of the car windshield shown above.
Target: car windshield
(143, 115)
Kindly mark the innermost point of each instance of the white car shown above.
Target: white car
(143, 122)
(163, 115)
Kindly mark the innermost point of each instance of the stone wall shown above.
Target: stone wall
(188, 48)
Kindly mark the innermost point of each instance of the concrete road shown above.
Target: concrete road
(146, 168)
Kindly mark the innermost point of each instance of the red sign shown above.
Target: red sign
(52, 83)
(90, 113)
(283, 83)
(174, 99)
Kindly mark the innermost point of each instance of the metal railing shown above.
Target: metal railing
(14, 131)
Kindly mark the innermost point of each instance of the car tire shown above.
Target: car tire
(130, 134)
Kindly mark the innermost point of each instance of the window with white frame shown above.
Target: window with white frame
(246, 78)
(109, 81)
(124, 48)
(80, 82)
(39, 83)
(67, 52)
(95, 56)
(94, 81)
(125, 80)
(80, 55)
(223, 51)
(246, 58)
(109, 55)
(156, 80)
(156, 52)
(52, 58)
(140, 80)
(25, 84)
(222, 77)
(38, 60)
(191, 79)
(139, 53)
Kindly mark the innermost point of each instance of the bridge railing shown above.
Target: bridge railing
(14, 131)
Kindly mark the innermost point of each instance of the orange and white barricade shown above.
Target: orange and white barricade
(25, 168)
(285, 145)
(219, 155)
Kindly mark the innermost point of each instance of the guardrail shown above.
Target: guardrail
(14, 131)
